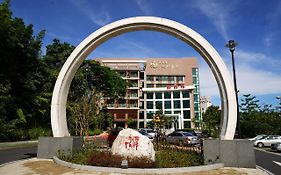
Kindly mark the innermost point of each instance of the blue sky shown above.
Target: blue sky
(254, 24)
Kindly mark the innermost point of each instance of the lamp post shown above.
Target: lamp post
(231, 45)
(279, 105)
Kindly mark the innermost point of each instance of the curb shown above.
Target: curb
(259, 149)
(5, 145)
(139, 170)
(264, 170)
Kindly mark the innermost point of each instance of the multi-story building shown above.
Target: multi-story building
(169, 84)
(205, 103)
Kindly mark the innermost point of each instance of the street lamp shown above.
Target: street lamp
(279, 105)
(231, 45)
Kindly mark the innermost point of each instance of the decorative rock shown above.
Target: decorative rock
(130, 143)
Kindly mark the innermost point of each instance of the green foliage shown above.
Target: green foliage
(211, 119)
(178, 158)
(96, 131)
(256, 119)
(35, 133)
(169, 158)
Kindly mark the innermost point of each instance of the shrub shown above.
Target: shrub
(105, 159)
(178, 158)
(35, 133)
(96, 131)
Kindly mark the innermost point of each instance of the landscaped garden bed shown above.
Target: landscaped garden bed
(166, 157)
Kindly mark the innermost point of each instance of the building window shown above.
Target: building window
(177, 112)
(186, 114)
(164, 78)
(141, 116)
(149, 78)
(168, 112)
(158, 78)
(122, 103)
(167, 95)
(171, 79)
(134, 74)
(149, 115)
(194, 71)
(149, 104)
(186, 124)
(158, 95)
(149, 95)
(179, 79)
(122, 73)
(185, 94)
(186, 104)
(177, 104)
(167, 104)
(158, 104)
(150, 85)
(176, 94)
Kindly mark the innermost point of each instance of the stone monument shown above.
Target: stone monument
(130, 143)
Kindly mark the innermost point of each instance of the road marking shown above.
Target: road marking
(278, 163)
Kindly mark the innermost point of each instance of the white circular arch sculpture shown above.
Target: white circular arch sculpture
(180, 31)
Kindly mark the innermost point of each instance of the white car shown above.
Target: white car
(147, 131)
(267, 141)
(258, 137)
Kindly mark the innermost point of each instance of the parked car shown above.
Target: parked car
(276, 146)
(182, 138)
(148, 131)
(146, 134)
(267, 141)
(258, 137)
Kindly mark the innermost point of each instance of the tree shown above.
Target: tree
(19, 72)
(90, 85)
(257, 119)
(211, 119)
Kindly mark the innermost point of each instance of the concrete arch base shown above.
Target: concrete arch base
(180, 31)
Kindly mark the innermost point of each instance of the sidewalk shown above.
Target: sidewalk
(48, 167)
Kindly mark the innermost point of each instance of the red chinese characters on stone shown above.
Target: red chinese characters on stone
(132, 143)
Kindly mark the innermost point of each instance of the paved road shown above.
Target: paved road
(17, 154)
(269, 161)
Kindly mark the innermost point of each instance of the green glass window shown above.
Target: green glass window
(158, 104)
(167, 95)
(149, 95)
(176, 94)
(186, 124)
(168, 112)
(158, 95)
(186, 104)
(149, 115)
(186, 114)
(177, 104)
(149, 78)
(185, 94)
(149, 104)
(167, 104)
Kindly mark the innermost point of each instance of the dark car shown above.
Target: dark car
(276, 146)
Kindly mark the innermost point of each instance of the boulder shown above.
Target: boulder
(131, 143)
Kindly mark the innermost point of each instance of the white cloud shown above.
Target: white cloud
(258, 60)
(62, 37)
(144, 7)
(217, 12)
(252, 74)
(97, 16)
(273, 19)
(257, 81)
